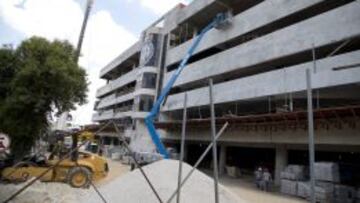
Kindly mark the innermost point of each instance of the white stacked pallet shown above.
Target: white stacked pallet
(327, 171)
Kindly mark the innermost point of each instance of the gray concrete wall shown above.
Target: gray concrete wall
(275, 82)
(333, 136)
(320, 30)
(141, 141)
(281, 159)
(251, 19)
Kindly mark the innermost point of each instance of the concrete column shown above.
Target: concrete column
(281, 158)
(222, 159)
(112, 141)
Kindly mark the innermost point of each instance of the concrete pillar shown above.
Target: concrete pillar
(112, 141)
(222, 159)
(281, 158)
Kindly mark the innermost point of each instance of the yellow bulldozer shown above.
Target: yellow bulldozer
(77, 170)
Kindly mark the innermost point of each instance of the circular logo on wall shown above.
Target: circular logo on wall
(4, 142)
(147, 51)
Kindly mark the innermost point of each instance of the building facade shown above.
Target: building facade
(258, 66)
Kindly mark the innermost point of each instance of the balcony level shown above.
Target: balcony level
(125, 60)
(117, 83)
(249, 24)
(288, 46)
(336, 71)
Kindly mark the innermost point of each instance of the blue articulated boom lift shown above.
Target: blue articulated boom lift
(220, 22)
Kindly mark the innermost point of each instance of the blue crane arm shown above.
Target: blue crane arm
(149, 120)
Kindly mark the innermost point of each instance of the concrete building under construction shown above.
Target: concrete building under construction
(258, 66)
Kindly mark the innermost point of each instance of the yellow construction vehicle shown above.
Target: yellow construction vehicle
(77, 171)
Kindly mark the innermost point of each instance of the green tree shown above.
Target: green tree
(37, 78)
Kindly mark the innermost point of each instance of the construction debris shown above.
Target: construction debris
(288, 187)
(344, 193)
(322, 194)
(327, 171)
(163, 174)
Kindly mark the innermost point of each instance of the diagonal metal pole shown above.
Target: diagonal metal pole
(92, 184)
(136, 162)
(311, 135)
(199, 161)
(182, 148)
(213, 135)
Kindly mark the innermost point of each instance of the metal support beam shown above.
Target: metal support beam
(213, 136)
(182, 147)
(199, 161)
(311, 135)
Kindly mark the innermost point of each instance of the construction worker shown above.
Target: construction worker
(258, 177)
(266, 180)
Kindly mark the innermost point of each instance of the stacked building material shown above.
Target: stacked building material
(294, 172)
(327, 171)
(290, 177)
(303, 189)
(344, 193)
(328, 187)
(288, 187)
(323, 192)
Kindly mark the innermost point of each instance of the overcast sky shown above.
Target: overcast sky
(113, 26)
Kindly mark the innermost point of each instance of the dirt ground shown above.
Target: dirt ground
(116, 169)
(243, 187)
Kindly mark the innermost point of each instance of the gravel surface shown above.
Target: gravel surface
(41, 192)
(132, 187)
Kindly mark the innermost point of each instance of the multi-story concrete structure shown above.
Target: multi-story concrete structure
(258, 66)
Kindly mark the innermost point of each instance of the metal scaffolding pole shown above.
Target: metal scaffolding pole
(315, 71)
(127, 146)
(213, 136)
(201, 158)
(182, 148)
(311, 135)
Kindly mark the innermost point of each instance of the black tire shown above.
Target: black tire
(76, 172)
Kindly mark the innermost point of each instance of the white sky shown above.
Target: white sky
(61, 19)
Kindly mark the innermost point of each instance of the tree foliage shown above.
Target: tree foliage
(36, 79)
